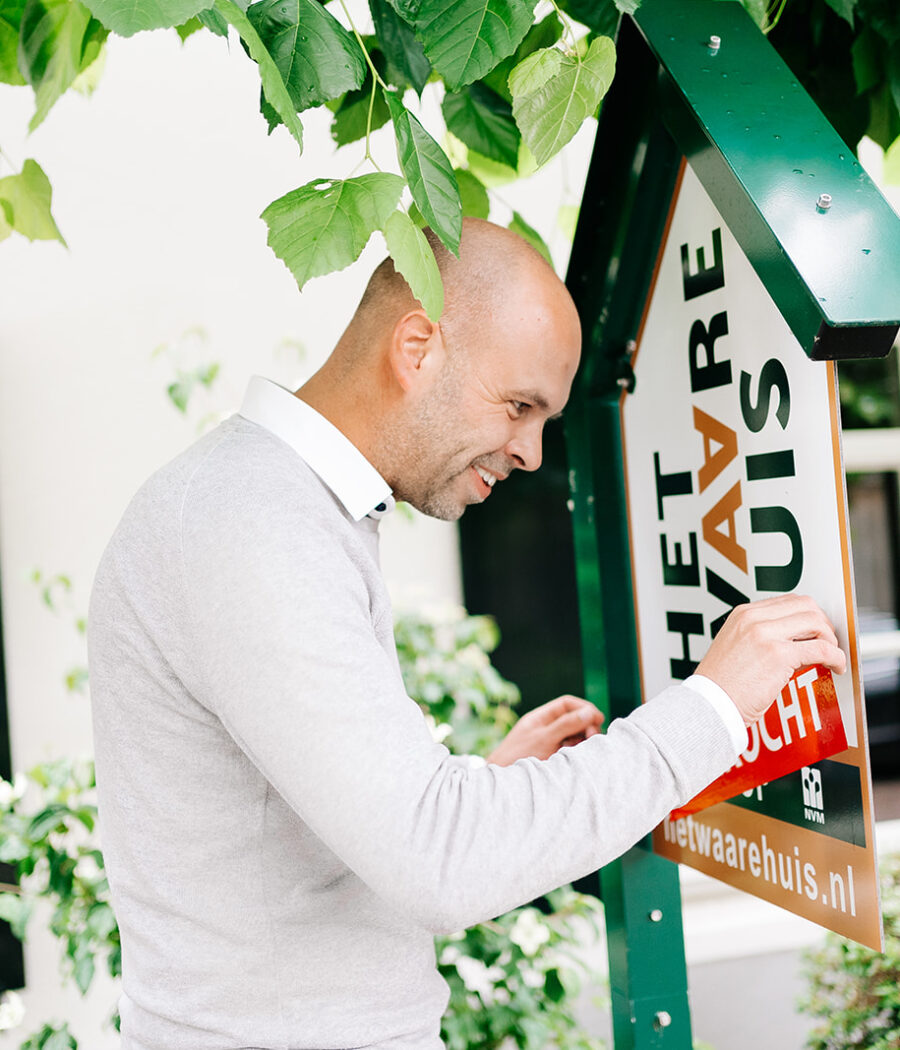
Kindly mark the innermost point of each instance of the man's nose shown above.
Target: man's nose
(525, 449)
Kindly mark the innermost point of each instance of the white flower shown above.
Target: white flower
(528, 932)
(531, 978)
(439, 730)
(478, 977)
(12, 792)
(473, 657)
(449, 955)
(12, 1010)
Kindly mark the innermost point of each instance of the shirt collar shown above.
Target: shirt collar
(333, 457)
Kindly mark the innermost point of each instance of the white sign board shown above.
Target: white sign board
(736, 492)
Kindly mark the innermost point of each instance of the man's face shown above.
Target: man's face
(484, 414)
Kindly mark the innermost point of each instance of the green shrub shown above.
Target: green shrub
(856, 990)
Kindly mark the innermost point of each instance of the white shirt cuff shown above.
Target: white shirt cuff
(724, 705)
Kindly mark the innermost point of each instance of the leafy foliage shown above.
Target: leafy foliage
(855, 991)
(324, 225)
(53, 852)
(127, 17)
(530, 234)
(429, 175)
(58, 40)
(464, 39)
(483, 120)
(316, 57)
(512, 980)
(402, 49)
(25, 205)
(414, 259)
(506, 78)
(273, 85)
(473, 195)
(554, 92)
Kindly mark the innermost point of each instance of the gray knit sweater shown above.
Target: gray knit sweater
(282, 836)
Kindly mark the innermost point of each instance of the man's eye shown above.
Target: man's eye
(519, 407)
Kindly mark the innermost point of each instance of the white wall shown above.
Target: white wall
(158, 182)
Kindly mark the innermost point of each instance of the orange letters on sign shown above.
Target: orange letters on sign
(726, 542)
(714, 431)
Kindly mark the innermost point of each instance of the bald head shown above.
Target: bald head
(494, 264)
(444, 410)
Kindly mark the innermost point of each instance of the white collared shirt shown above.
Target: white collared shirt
(362, 491)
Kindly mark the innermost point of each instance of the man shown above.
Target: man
(282, 836)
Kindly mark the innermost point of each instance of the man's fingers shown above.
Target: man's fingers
(800, 626)
(819, 651)
(578, 722)
(547, 713)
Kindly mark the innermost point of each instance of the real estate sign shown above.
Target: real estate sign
(736, 492)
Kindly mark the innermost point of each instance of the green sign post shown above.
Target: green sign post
(697, 80)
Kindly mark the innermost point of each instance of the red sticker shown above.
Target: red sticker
(801, 727)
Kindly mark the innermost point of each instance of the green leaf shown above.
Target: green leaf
(101, 921)
(127, 17)
(429, 175)
(83, 971)
(87, 80)
(567, 220)
(15, 910)
(59, 1039)
(530, 234)
(214, 22)
(472, 194)
(893, 73)
(544, 34)
(324, 225)
(57, 40)
(408, 10)
(867, 54)
(318, 59)
(10, 20)
(892, 165)
(844, 8)
(191, 26)
(465, 39)
(884, 119)
(553, 93)
(26, 202)
(758, 10)
(399, 44)
(352, 115)
(49, 819)
(553, 986)
(273, 85)
(414, 259)
(483, 120)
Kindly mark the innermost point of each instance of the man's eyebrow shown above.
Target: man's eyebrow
(539, 401)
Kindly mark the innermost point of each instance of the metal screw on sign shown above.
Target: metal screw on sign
(824, 202)
(662, 1020)
(715, 42)
(655, 915)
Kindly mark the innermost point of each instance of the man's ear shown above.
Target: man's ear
(416, 350)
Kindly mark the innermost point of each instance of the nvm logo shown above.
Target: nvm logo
(813, 804)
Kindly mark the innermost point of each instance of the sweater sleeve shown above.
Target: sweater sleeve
(291, 665)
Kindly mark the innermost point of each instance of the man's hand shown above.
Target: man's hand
(561, 722)
(761, 645)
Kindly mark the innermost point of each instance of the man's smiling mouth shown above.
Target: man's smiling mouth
(486, 476)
